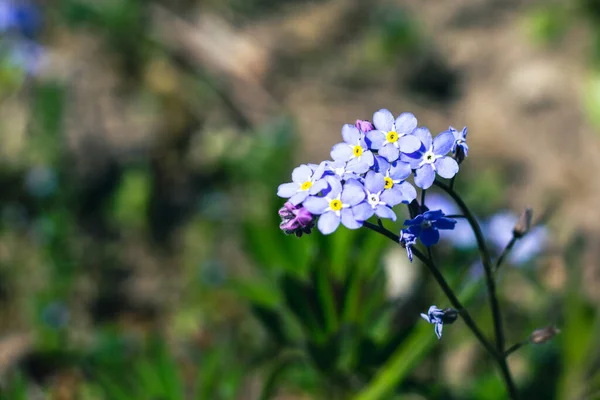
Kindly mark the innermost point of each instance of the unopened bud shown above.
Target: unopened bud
(364, 126)
(523, 223)
(295, 220)
(450, 315)
(543, 335)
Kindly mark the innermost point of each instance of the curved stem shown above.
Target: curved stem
(497, 355)
(455, 216)
(487, 264)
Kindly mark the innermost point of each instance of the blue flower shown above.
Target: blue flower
(431, 158)
(378, 200)
(306, 180)
(460, 141)
(426, 226)
(391, 137)
(439, 318)
(394, 175)
(408, 240)
(462, 237)
(354, 150)
(336, 205)
(339, 169)
(21, 17)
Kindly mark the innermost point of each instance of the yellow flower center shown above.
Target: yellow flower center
(357, 151)
(306, 185)
(389, 183)
(392, 136)
(335, 205)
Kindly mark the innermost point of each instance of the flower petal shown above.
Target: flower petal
(328, 223)
(445, 223)
(374, 182)
(429, 237)
(335, 187)
(380, 164)
(442, 144)
(389, 151)
(396, 195)
(425, 317)
(341, 152)
(353, 193)
(383, 120)
(400, 170)
(408, 191)
(286, 190)
(385, 212)
(406, 123)
(375, 139)
(350, 134)
(348, 219)
(302, 174)
(363, 211)
(319, 185)
(438, 330)
(424, 136)
(416, 221)
(424, 176)
(358, 166)
(298, 198)
(413, 159)
(316, 205)
(320, 170)
(409, 144)
(368, 158)
(446, 167)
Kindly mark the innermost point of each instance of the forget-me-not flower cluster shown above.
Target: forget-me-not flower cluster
(368, 175)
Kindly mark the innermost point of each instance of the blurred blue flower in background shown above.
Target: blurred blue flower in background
(499, 230)
(56, 315)
(462, 237)
(41, 181)
(20, 24)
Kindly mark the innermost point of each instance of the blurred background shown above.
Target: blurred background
(141, 146)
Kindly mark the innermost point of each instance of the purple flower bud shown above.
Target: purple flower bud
(364, 126)
(295, 219)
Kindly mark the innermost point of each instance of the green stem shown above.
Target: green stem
(487, 264)
(497, 355)
(514, 348)
(505, 252)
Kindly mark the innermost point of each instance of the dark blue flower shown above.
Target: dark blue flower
(426, 226)
(439, 318)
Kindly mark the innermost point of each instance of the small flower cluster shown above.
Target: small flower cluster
(20, 23)
(367, 176)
